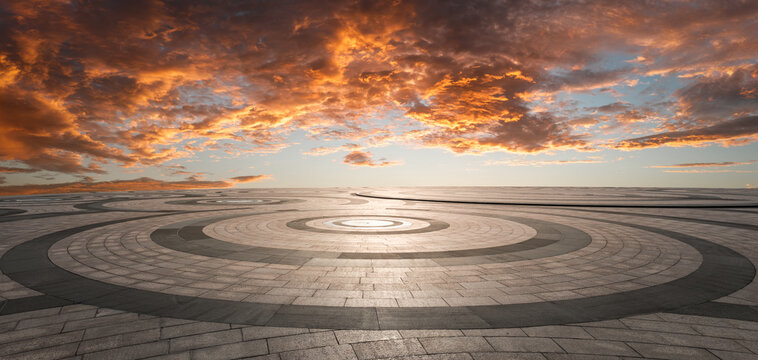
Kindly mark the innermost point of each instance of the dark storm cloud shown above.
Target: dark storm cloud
(730, 132)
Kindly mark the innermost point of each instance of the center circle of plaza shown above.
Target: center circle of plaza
(368, 224)
(396, 231)
(326, 261)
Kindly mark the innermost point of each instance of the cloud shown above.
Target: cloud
(730, 132)
(360, 158)
(701, 171)
(540, 163)
(707, 164)
(326, 150)
(249, 178)
(4, 169)
(140, 184)
(42, 134)
(712, 98)
(146, 82)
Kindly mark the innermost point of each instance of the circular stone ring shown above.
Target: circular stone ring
(368, 224)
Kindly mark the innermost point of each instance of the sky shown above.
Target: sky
(149, 95)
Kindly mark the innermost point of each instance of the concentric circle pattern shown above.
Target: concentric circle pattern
(334, 260)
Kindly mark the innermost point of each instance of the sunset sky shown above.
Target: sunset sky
(140, 95)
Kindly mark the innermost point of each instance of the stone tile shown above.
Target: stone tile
(40, 342)
(665, 338)
(371, 303)
(514, 356)
(263, 332)
(388, 348)
(731, 355)
(470, 301)
(524, 344)
(100, 321)
(121, 340)
(130, 352)
(55, 352)
(338, 352)
(206, 339)
(458, 356)
(301, 341)
(429, 333)
(355, 336)
(231, 351)
(596, 347)
(319, 301)
(423, 302)
(54, 319)
(671, 352)
(574, 332)
(438, 345)
(494, 332)
(659, 325)
(30, 333)
(121, 328)
(191, 329)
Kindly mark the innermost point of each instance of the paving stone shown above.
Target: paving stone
(731, 355)
(54, 319)
(438, 345)
(429, 333)
(665, 338)
(717, 331)
(191, 329)
(671, 352)
(338, 352)
(231, 351)
(524, 344)
(659, 325)
(121, 328)
(459, 356)
(40, 342)
(388, 348)
(595, 347)
(301, 341)
(30, 333)
(263, 332)
(558, 356)
(29, 315)
(514, 356)
(558, 331)
(494, 332)
(355, 336)
(206, 339)
(131, 352)
(55, 352)
(115, 341)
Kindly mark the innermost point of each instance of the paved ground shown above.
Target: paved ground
(417, 273)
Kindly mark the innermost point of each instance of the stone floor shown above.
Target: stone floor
(372, 273)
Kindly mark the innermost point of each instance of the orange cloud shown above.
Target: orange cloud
(140, 184)
(544, 162)
(249, 178)
(325, 150)
(701, 171)
(708, 164)
(360, 158)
